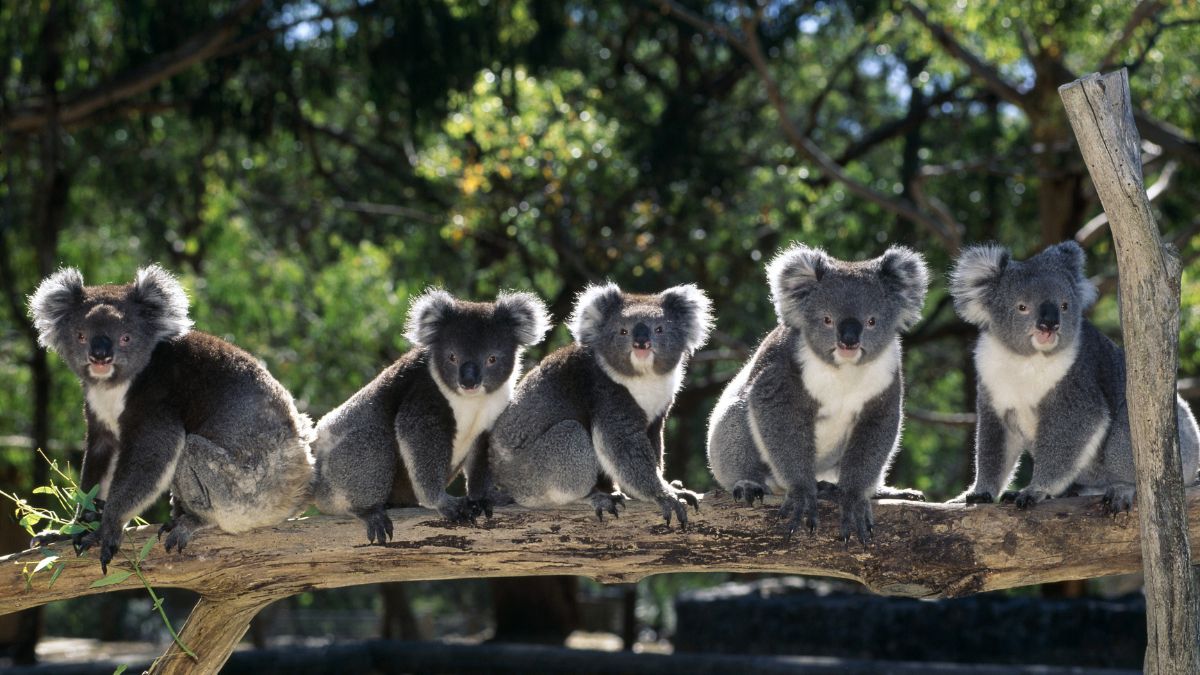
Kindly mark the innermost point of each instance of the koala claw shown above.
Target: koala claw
(177, 539)
(1009, 496)
(748, 491)
(1027, 498)
(857, 520)
(480, 507)
(799, 507)
(1118, 498)
(457, 510)
(607, 502)
(379, 525)
(672, 504)
(109, 545)
(978, 498)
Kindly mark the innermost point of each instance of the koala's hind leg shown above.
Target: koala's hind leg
(735, 460)
(179, 531)
(354, 475)
(557, 467)
(606, 498)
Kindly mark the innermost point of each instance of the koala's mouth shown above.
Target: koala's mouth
(642, 353)
(100, 371)
(1044, 340)
(842, 355)
(476, 390)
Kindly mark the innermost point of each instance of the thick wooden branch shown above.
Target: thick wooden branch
(1101, 115)
(72, 110)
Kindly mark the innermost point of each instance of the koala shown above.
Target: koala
(587, 422)
(170, 407)
(821, 398)
(422, 418)
(1050, 383)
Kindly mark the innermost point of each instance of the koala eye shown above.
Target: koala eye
(1063, 307)
(1022, 308)
(658, 329)
(82, 338)
(624, 332)
(125, 339)
(871, 322)
(828, 321)
(452, 358)
(492, 359)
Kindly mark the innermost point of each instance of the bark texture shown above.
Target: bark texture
(1102, 117)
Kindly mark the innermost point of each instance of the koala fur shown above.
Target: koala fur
(1050, 383)
(170, 407)
(593, 412)
(821, 398)
(424, 415)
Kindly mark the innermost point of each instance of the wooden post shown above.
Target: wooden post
(1101, 115)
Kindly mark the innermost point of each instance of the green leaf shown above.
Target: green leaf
(145, 550)
(43, 490)
(72, 528)
(54, 577)
(114, 578)
(120, 669)
(44, 563)
(29, 521)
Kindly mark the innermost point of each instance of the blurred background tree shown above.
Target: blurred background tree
(307, 166)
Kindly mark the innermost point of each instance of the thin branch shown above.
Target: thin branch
(1145, 10)
(984, 71)
(1172, 139)
(137, 80)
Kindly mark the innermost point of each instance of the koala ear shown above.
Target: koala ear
(594, 304)
(55, 298)
(689, 306)
(793, 275)
(426, 315)
(975, 273)
(526, 313)
(1075, 261)
(903, 271)
(164, 304)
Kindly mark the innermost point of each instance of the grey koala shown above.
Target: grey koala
(422, 418)
(1050, 383)
(821, 399)
(592, 413)
(167, 406)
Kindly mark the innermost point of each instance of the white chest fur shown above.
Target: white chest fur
(652, 391)
(473, 415)
(842, 391)
(106, 404)
(1019, 383)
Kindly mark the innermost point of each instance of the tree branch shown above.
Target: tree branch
(1145, 10)
(137, 80)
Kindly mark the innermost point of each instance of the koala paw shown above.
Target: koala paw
(827, 490)
(858, 520)
(1028, 497)
(603, 502)
(108, 539)
(747, 491)
(457, 510)
(1009, 496)
(481, 506)
(677, 505)
(906, 494)
(799, 507)
(379, 525)
(978, 498)
(692, 498)
(1118, 498)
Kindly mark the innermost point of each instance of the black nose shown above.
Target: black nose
(849, 332)
(1048, 318)
(641, 336)
(101, 350)
(468, 375)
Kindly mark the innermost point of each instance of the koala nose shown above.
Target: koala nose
(468, 375)
(100, 350)
(1048, 318)
(848, 333)
(641, 336)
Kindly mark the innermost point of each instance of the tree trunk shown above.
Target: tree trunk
(1102, 116)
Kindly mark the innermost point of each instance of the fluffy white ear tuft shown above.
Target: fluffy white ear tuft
(527, 314)
(593, 305)
(55, 298)
(794, 274)
(903, 270)
(975, 274)
(426, 315)
(689, 306)
(163, 302)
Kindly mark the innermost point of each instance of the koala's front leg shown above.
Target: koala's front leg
(865, 460)
(619, 435)
(426, 448)
(996, 454)
(1068, 439)
(478, 475)
(150, 448)
(788, 448)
